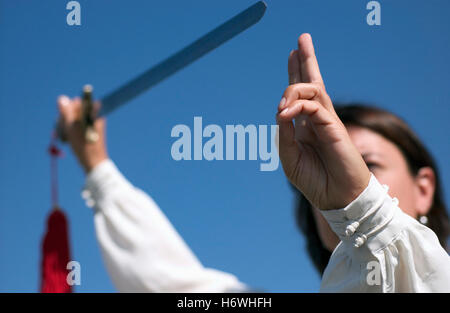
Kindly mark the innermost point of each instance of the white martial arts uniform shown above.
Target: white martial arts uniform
(382, 248)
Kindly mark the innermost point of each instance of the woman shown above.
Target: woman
(380, 249)
(382, 137)
(325, 161)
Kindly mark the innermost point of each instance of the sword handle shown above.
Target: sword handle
(88, 113)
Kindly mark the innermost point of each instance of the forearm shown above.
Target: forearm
(141, 249)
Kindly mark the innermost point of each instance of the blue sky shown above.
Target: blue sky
(234, 217)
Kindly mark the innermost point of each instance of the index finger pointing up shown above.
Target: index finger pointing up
(308, 62)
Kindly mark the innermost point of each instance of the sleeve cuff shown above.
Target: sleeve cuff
(100, 182)
(369, 213)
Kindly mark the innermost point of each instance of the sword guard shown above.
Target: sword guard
(88, 115)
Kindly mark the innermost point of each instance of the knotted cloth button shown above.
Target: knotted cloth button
(350, 229)
(359, 241)
(85, 194)
(90, 203)
(395, 200)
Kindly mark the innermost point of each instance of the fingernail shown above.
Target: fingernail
(284, 112)
(64, 100)
(282, 103)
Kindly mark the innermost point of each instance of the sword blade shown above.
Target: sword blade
(182, 58)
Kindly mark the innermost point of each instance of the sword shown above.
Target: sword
(162, 70)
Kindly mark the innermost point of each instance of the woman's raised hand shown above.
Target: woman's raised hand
(317, 154)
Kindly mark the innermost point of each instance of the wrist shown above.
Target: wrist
(91, 163)
(359, 184)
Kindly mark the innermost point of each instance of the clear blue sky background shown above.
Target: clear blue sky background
(234, 217)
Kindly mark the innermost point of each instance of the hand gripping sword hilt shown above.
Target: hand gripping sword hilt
(87, 119)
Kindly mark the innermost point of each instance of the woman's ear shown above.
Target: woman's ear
(425, 181)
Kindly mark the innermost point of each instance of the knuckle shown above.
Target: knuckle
(290, 90)
(320, 88)
(316, 104)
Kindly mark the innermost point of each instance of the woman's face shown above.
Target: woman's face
(388, 164)
(385, 160)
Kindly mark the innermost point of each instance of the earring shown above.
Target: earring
(423, 220)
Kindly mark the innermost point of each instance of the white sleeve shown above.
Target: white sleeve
(141, 249)
(383, 249)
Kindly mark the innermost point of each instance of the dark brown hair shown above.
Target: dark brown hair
(416, 155)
